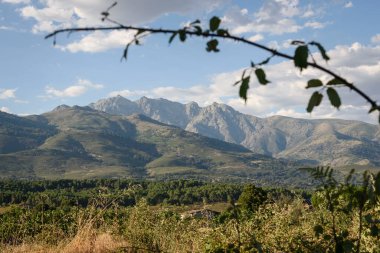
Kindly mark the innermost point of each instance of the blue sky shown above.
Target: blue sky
(36, 76)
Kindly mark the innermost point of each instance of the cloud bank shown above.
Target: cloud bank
(78, 89)
(7, 93)
(286, 94)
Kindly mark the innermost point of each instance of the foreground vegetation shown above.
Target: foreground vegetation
(129, 216)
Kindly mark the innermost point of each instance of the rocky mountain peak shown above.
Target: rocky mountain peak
(192, 109)
(61, 108)
(277, 135)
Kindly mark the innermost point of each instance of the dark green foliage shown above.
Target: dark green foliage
(314, 83)
(62, 193)
(182, 35)
(346, 199)
(315, 100)
(334, 97)
(334, 81)
(125, 52)
(300, 57)
(274, 220)
(212, 46)
(252, 197)
(261, 77)
(321, 50)
(39, 204)
(214, 23)
(172, 37)
(244, 88)
(222, 32)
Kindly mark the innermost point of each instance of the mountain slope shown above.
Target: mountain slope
(85, 143)
(325, 141)
(17, 133)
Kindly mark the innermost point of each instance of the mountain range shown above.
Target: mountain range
(162, 139)
(332, 142)
(80, 142)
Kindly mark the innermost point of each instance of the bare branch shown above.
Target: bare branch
(226, 36)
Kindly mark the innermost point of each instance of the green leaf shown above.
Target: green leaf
(260, 74)
(327, 237)
(195, 22)
(374, 230)
(125, 53)
(345, 233)
(244, 88)
(339, 247)
(198, 29)
(348, 246)
(266, 60)
(182, 35)
(241, 79)
(314, 83)
(377, 184)
(139, 31)
(297, 42)
(212, 46)
(243, 74)
(314, 101)
(105, 14)
(321, 50)
(334, 81)
(214, 23)
(222, 32)
(300, 57)
(318, 230)
(368, 218)
(334, 97)
(172, 37)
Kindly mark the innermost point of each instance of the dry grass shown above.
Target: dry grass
(86, 241)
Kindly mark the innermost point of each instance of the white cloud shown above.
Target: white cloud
(348, 5)
(19, 101)
(280, 45)
(128, 93)
(72, 91)
(315, 25)
(16, 1)
(274, 17)
(100, 41)
(309, 12)
(49, 18)
(81, 87)
(286, 94)
(55, 14)
(5, 28)
(273, 44)
(7, 93)
(5, 109)
(256, 37)
(376, 39)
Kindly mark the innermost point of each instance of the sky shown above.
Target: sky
(36, 75)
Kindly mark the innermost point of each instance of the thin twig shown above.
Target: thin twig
(372, 102)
